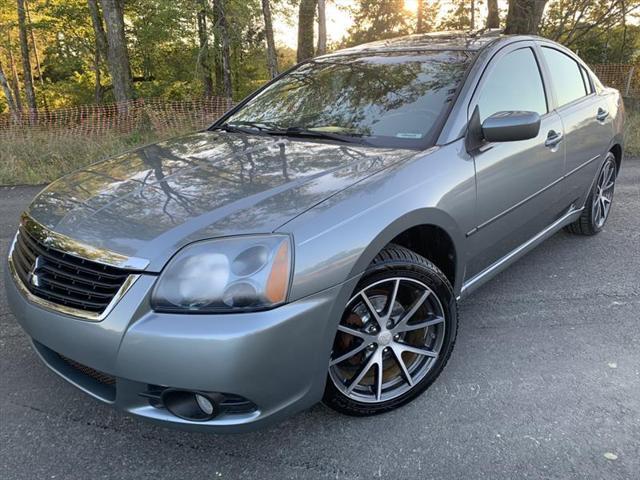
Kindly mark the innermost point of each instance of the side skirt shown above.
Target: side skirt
(479, 279)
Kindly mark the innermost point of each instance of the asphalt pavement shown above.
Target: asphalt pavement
(544, 382)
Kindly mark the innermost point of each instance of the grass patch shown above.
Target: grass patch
(40, 157)
(632, 137)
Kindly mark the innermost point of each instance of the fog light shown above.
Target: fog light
(205, 404)
(193, 406)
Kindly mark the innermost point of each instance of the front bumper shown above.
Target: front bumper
(276, 359)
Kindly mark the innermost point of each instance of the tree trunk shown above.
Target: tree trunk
(322, 27)
(305, 29)
(472, 20)
(26, 61)
(36, 56)
(524, 16)
(15, 83)
(13, 109)
(101, 47)
(98, 28)
(204, 56)
(227, 87)
(420, 21)
(117, 54)
(272, 56)
(493, 14)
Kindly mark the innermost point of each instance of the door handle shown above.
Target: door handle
(602, 114)
(553, 139)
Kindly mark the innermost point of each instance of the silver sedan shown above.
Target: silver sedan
(313, 243)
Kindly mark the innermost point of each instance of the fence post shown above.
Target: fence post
(629, 79)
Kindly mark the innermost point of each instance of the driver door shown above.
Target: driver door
(517, 182)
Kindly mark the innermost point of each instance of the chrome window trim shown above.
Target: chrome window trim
(64, 244)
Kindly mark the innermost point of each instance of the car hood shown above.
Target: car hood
(150, 202)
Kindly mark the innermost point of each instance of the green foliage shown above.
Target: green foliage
(458, 16)
(603, 31)
(376, 20)
(162, 42)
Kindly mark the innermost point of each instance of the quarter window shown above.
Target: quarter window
(567, 77)
(514, 83)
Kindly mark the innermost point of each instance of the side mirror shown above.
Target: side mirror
(511, 126)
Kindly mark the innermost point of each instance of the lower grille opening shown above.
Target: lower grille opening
(92, 381)
(101, 377)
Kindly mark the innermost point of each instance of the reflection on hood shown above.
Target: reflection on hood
(204, 185)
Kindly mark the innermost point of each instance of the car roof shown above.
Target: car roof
(469, 41)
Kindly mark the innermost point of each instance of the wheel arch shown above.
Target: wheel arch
(618, 152)
(429, 232)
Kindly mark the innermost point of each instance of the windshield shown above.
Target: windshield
(382, 99)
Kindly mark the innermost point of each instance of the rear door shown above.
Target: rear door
(587, 122)
(517, 194)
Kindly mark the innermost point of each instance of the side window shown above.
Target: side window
(566, 75)
(514, 83)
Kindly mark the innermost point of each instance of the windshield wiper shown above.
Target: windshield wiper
(268, 128)
(242, 127)
(311, 133)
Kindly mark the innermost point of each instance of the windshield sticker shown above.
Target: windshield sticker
(408, 135)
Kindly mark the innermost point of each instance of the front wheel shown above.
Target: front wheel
(395, 335)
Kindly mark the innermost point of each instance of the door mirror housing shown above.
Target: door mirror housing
(511, 126)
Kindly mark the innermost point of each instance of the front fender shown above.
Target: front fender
(336, 240)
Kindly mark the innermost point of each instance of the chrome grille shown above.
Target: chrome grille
(65, 279)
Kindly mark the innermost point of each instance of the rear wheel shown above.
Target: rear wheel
(395, 336)
(598, 204)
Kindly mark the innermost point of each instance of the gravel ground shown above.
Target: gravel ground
(544, 383)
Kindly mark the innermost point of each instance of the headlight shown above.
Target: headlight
(229, 274)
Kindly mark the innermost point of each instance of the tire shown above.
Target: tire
(598, 205)
(421, 322)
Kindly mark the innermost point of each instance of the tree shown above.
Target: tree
(375, 20)
(322, 28)
(117, 53)
(598, 30)
(426, 15)
(493, 14)
(15, 83)
(460, 16)
(272, 56)
(15, 114)
(26, 61)
(472, 19)
(101, 46)
(524, 16)
(225, 85)
(306, 16)
(204, 56)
